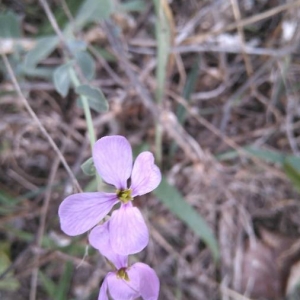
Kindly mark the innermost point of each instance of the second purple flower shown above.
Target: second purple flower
(112, 156)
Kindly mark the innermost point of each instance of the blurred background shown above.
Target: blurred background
(210, 87)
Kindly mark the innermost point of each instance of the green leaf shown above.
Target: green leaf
(293, 172)
(9, 25)
(270, 156)
(173, 200)
(64, 283)
(294, 161)
(8, 283)
(44, 47)
(88, 167)
(86, 64)
(93, 11)
(38, 72)
(48, 284)
(131, 6)
(91, 186)
(62, 80)
(95, 97)
(76, 46)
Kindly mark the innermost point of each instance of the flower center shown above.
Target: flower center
(122, 274)
(124, 195)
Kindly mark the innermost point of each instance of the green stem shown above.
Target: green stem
(88, 117)
(163, 46)
(86, 109)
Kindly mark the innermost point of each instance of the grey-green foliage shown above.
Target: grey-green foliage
(88, 167)
(93, 11)
(9, 25)
(41, 72)
(44, 47)
(62, 80)
(133, 5)
(86, 64)
(76, 45)
(95, 97)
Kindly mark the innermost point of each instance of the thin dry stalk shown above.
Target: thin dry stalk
(38, 122)
(237, 16)
(242, 23)
(119, 50)
(231, 143)
(41, 229)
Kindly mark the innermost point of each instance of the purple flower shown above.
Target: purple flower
(112, 156)
(125, 283)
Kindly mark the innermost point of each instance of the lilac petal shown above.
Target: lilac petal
(145, 175)
(103, 289)
(149, 282)
(79, 213)
(128, 231)
(112, 157)
(99, 239)
(121, 289)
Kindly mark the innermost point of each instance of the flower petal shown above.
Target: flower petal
(112, 157)
(145, 175)
(128, 231)
(80, 212)
(103, 289)
(121, 289)
(149, 282)
(99, 239)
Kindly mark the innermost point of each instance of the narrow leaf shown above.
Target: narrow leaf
(48, 284)
(270, 156)
(43, 49)
(88, 167)
(173, 200)
(64, 283)
(62, 80)
(292, 173)
(8, 283)
(95, 97)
